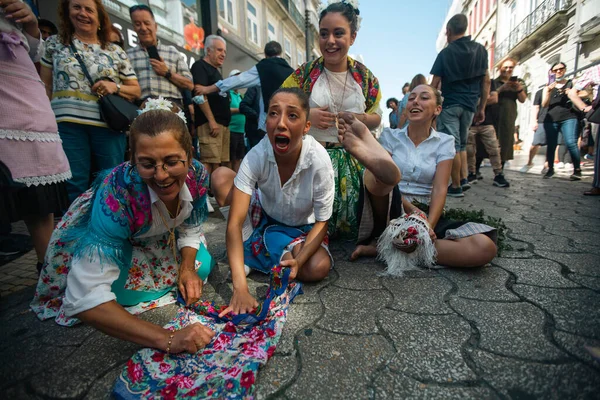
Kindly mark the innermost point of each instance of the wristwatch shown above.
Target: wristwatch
(168, 75)
(118, 88)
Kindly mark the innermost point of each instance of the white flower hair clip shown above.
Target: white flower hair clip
(161, 104)
(353, 3)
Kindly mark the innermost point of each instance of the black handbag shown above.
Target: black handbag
(594, 114)
(117, 112)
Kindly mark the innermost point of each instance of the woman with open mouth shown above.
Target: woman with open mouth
(115, 252)
(365, 174)
(281, 200)
(426, 157)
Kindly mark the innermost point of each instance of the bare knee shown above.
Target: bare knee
(316, 268)
(482, 250)
(221, 183)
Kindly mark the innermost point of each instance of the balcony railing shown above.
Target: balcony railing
(542, 14)
(294, 13)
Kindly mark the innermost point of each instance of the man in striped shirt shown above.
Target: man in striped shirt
(165, 77)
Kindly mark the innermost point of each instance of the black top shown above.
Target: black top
(491, 112)
(462, 66)
(272, 72)
(560, 107)
(205, 74)
(537, 101)
(250, 107)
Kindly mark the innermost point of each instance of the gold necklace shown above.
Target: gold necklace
(336, 108)
(171, 241)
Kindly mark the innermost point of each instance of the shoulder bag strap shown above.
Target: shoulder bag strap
(81, 63)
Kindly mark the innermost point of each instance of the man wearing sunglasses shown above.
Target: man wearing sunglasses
(163, 74)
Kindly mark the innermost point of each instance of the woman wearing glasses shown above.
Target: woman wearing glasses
(132, 239)
(87, 139)
(561, 117)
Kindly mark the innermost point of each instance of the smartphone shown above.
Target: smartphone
(551, 78)
(514, 78)
(153, 52)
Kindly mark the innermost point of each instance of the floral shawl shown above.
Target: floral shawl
(122, 208)
(308, 73)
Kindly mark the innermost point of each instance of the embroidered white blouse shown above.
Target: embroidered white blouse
(89, 281)
(417, 163)
(305, 198)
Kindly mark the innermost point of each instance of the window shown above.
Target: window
(299, 56)
(227, 11)
(271, 32)
(481, 13)
(487, 7)
(475, 22)
(492, 53)
(252, 24)
(287, 50)
(470, 30)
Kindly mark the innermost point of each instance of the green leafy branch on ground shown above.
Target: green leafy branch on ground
(478, 216)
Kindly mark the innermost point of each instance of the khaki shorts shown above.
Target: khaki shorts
(213, 150)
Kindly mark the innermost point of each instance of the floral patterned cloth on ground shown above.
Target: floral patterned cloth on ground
(107, 223)
(227, 367)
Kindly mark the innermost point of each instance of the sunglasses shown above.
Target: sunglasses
(558, 69)
(142, 7)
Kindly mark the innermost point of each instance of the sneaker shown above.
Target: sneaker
(500, 181)
(568, 165)
(576, 176)
(560, 165)
(8, 247)
(544, 170)
(479, 176)
(588, 157)
(472, 178)
(455, 192)
(549, 174)
(526, 168)
(465, 185)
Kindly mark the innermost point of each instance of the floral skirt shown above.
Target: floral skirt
(271, 240)
(149, 282)
(348, 173)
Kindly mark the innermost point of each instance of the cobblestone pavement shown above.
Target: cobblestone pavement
(515, 329)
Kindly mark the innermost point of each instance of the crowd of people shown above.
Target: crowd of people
(291, 165)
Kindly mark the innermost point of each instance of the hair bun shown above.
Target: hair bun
(352, 6)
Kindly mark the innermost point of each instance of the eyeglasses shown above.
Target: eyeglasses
(558, 69)
(142, 7)
(172, 167)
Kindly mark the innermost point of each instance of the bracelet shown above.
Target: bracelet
(169, 343)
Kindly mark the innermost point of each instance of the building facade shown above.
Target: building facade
(537, 33)
(246, 25)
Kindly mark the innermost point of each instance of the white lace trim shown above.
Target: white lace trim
(45, 180)
(30, 136)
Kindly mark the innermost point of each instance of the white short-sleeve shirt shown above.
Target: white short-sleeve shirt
(417, 163)
(305, 198)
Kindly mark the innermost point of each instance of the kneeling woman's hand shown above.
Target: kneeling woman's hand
(241, 302)
(191, 339)
(190, 285)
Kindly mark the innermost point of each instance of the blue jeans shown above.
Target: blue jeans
(89, 149)
(569, 130)
(456, 120)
